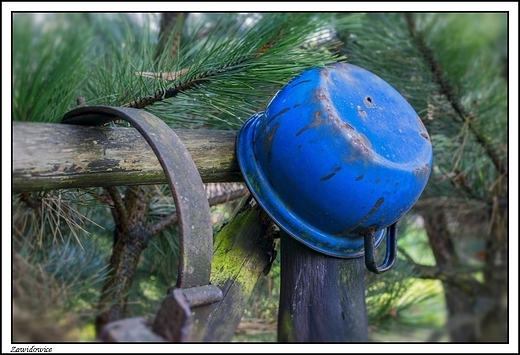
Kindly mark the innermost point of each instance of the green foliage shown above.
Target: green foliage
(48, 66)
(58, 265)
(162, 255)
(398, 304)
(123, 48)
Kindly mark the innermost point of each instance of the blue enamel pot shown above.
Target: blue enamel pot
(338, 154)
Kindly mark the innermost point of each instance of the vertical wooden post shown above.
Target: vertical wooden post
(322, 298)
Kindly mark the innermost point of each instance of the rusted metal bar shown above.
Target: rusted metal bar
(54, 156)
(191, 204)
(192, 209)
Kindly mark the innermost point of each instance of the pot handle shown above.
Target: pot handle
(391, 250)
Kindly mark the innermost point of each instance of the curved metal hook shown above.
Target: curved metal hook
(194, 219)
(391, 251)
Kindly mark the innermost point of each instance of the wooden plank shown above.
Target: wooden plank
(322, 298)
(244, 252)
(55, 156)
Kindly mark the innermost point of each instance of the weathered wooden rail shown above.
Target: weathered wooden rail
(52, 156)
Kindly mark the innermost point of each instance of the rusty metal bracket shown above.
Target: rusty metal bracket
(192, 208)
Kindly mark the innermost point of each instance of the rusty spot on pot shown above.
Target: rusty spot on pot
(317, 120)
(270, 137)
(360, 177)
(336, 169)
(325, 77)
(347, 126)
(425, 135)
(362, 112)
(271, 134)
(422, 170)
(361, 147)
(300, 82)
(365, 140)
(321, 94)
(359, 144)
(327, 177)
(373, 210)
(281, 112)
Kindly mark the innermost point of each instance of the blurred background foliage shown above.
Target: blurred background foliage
(452, 68)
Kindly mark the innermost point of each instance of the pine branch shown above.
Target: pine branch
(448, 92)
(31, 202)
(119, 212)
(129, 243)
(173, 91)
(200, 79)
(215, 200)
(235, 69)
(464, 281)
(227, 197)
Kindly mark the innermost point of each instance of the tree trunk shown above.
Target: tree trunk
(459, 304)
(494, 307)
(130, 240)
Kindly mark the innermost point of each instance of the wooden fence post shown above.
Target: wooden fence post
(322, 298)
